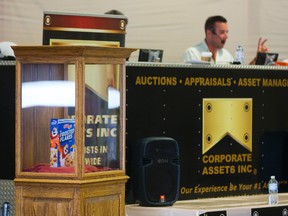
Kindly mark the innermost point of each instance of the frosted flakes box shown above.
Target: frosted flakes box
(62, 142)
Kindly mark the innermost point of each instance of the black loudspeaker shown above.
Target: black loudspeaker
(156, 171)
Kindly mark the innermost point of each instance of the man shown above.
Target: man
(216, 34)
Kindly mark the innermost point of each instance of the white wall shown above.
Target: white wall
(169, 25)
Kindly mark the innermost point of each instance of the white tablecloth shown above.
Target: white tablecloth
(235, 206)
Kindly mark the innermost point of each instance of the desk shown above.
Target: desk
(235, 206)
(191, 103)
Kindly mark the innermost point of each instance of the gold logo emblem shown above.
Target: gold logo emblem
(227, 116)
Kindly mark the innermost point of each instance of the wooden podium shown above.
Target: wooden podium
(70, 82)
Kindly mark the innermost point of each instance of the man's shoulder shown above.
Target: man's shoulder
(198, 47)
(193, 53)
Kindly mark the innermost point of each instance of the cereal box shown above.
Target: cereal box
(62, 142)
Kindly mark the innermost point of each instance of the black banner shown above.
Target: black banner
(231, 123)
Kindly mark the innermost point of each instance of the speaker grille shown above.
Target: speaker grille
(161, 181)
(156, 171)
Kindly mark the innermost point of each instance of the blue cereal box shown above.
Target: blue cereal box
(62, 142)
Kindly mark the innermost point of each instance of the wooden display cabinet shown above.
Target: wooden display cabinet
(85, 84)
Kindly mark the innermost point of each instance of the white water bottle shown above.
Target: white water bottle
(239, 55)
(273, 191)
(5, 209)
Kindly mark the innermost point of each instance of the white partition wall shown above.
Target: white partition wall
(169, 25)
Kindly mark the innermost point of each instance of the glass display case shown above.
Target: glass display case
(70, 123)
